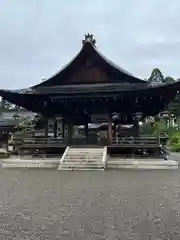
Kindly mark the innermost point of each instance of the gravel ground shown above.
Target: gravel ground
(47, 204)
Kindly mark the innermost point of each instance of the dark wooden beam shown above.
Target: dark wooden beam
(55, 128)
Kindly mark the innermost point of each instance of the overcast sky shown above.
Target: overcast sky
(38, 37)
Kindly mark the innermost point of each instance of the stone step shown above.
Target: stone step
(81, 163)
(18, 163)
(146, 167)
(80, 151)
(83, 155)
(80, 169)
(86, 149)
(29, 165)
(135, 164)
(128, 162)
(32, 161)
(83, 158)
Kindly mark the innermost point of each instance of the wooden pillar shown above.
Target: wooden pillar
(115, 126)
(63, 127)
(86, 132)
(55, 128)
(136, 128)
(70, 131)
(109, 130)
(46, 127)
(158, 133)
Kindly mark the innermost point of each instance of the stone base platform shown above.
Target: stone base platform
(30, 163)
(146, 164)
(53, 163)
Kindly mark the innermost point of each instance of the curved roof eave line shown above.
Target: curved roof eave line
(115, 66)
(104, 58)
(60, 71)
(174, 85)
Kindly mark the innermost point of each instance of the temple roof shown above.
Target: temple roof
(91, 75)
(90, 66)
(94, 89)
(50, 100)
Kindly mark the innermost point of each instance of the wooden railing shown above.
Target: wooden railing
(144, 146)
(136, 141)
(38, 142)
(57, 142)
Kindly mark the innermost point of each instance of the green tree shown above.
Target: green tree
(156, 76)
(174, 106)
(5, 105)
(168, 80)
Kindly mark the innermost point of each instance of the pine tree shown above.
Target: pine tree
(156, 76)
(168, 80)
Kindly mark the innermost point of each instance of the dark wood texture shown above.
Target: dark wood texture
(89, 75)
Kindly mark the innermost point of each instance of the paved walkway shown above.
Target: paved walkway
(175, 156)
(48, 204)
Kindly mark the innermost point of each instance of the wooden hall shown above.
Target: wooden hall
(91, 86)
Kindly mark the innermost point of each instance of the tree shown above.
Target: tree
(5, 105)
(168, 80)
(156, 76)
(174, 106)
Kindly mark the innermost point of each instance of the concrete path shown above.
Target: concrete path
(175, 156)
(48, 204)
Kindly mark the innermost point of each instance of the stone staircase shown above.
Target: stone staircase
(83, 159)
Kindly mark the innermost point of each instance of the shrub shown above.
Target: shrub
(147, 129)
(4, 155)
(175, 142)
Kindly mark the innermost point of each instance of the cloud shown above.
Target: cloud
(39, 37)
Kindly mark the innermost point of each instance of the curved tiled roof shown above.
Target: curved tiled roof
(88, 49)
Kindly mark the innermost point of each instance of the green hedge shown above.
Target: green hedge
(4, 155)
(146, 129)
(175, 142)
(149, 129)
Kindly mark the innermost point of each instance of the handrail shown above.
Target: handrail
(64, 154)
(139, 137)
(42, 142)
(134, 139)
(104, 157)
(39, 141)
(137, 140)
(38, 138)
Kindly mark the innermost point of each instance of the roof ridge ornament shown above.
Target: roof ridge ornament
(89, 38)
